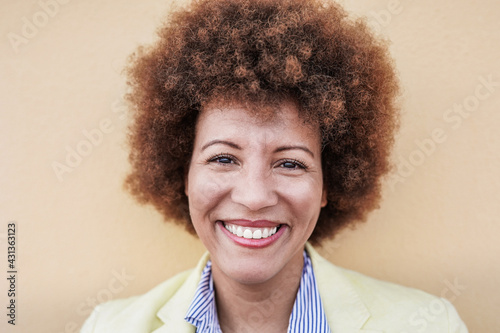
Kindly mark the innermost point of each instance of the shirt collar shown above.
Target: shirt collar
(307, 314)
(202, 312)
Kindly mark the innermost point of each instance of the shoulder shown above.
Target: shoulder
(379, 305)
(138, 313)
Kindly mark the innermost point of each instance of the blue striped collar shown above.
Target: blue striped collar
(307, 314)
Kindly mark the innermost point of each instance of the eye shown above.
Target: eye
(292, 164)
(222, 159)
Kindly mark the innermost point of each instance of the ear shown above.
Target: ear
(324, 199)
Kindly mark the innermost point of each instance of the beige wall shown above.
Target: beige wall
(82, 240)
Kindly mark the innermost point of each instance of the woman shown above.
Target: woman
(265, 127)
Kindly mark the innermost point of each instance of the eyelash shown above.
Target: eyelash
(298, 163)
(219, 156)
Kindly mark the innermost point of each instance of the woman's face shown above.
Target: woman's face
(255, 189)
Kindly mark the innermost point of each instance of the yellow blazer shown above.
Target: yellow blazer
(352, 302)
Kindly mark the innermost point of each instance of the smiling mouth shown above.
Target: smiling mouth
(250, 233)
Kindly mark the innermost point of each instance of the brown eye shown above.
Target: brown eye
(292, 164)
(222, 159)
(289, 165)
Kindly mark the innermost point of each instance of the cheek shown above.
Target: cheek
(305, 197)
(205, 191)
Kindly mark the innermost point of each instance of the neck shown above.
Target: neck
(258, 307)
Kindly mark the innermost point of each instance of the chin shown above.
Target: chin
(249, 275)
(250, 268)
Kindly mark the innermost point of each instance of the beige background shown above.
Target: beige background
(82, 240)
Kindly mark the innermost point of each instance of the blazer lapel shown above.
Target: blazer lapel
(343, 306)
(173, 312)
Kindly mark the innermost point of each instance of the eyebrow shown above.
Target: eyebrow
(304, 148)
(222, 142)
(277, 150)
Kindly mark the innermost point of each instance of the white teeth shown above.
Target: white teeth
(255, 233)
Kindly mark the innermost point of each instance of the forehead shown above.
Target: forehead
(281, 123)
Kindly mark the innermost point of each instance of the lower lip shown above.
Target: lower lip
(253, 243)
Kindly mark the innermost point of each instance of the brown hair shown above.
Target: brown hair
(259, 51)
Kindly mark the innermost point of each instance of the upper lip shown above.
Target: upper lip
(250, 223)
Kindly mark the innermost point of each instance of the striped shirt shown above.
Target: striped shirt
(307, 314)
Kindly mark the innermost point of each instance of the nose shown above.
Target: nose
(255, 189)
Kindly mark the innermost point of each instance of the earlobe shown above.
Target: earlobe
(324, 199)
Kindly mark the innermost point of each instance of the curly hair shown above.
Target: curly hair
(259, 51)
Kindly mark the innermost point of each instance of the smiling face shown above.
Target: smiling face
(255, 189)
